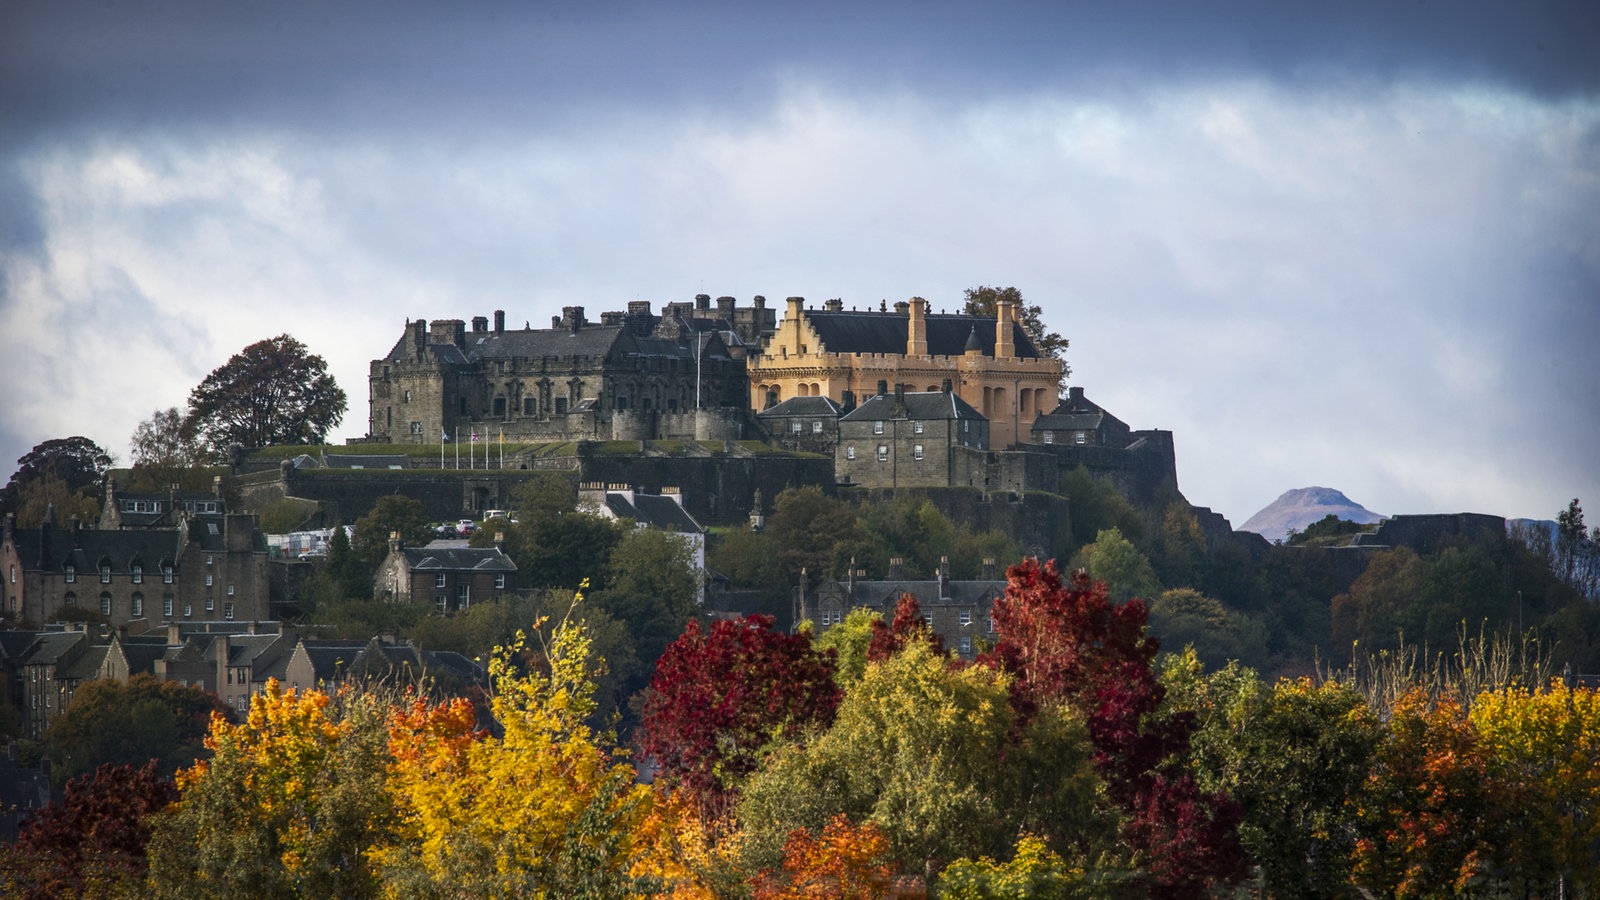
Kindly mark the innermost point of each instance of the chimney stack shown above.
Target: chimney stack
(499, 321)
(917, 328)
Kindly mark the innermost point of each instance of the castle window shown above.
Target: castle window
(528, 406)
(916, 451)
(850, 452)
(561, 406)
(883, 453)
(916, 427)
(416, 428)
(877, 427)
(500, 407)
(138, 605)
(72, 573)
(105, 603)
(405, 397)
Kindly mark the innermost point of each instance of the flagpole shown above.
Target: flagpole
(441, 446)
(458, 448)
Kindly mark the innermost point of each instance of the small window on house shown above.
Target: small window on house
(1080, 438)
(850, 452)
(1049, 437)
(877, 427)
(188, 609)
(916, 451)
(230, 590)
(166, 573)
(916, 427)
(227, 610)
(209, 558)
(500, 582)
(70, 599)
(927, 618)
(72, 573)
(208, 580)
(211, 604)
(816, 427)
(966, 644)
(442, 601)
(13, 574)
(464, 596)
(438, 580)
(883, 453)
(989, 626)
(138, 605)
(138, 573)
(966, 617)
(794, 426)
(105, 573)
(166, 605)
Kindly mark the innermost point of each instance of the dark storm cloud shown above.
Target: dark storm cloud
(431, 65)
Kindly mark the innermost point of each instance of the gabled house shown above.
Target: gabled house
(957, 611)
(663, 512)
(807, 424)
(451, 578)
(913, 439)
(1079, 422)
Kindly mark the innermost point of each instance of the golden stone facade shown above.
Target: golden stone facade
(841, 354)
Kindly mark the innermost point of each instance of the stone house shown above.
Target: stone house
(663, 512)
(1079, 422)
(991, 362)
(126, 509)
(449, 577)
(957, 611)
(913, 439)
(201, 568)
(806, 424)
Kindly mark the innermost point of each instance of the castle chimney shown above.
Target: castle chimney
(419, 336)
(847, 401)
(833, 304)
(480, 324)
(944, 578)
(917, 328)
(900, 396)
(896, 569)
(760, 302)
(572, 318)
(988, 568)
(946, 386)
(702, 301)
(1004, 347)
(499, 321)
(725, 307)
(1075, 396)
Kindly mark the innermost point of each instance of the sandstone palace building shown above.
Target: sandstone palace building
(843, 355)
(698, 371)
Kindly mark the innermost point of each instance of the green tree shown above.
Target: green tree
(130, 723)
(392, 514)
(1382, 603)
(1034, 871)
(1184, 617)
(64, 473)
(1096, 506)
(273, 392)
(812, 531)
(850, 640)
(1114, 560)
(165, 445)
(985, 301)
(654, 588)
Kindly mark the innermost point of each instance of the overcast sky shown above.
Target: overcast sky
(1354, 245)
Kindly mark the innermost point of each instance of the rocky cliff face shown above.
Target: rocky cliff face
(1300, 507)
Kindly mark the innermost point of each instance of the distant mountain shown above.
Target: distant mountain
(1300, 507)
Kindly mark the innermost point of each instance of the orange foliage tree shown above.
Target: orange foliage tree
(846, 862)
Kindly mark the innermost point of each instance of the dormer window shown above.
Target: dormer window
(166, 573)
(105, 573)
(1049, 437)
(72, 573)
(138, 573)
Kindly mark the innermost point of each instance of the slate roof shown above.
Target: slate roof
(86, 547)
(457, 559)
(142, 651)
(795, 407)
(654, 511)
(52, 648)
(918, 405)
(886, 332)
(366, 461)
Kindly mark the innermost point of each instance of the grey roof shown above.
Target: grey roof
(958, 593)
(918, 405)
(86, 666)
(815, 407)
(366, 461)
(886, 332)
(85, 548)
(142, 651)
(53, 647)
(457, 559)
(655, 511)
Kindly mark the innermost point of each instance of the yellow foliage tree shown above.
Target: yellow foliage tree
(545, 810)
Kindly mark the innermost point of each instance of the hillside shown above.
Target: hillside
(1300, 507)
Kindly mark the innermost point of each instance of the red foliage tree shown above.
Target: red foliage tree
(908, 625)
(847, 862)
(93, 839)
(718, 696)
(1070, 643)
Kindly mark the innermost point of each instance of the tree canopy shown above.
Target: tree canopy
(985, 301)
(64, 472)
(270, 393)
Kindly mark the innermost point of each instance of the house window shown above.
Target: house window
(211, 604)
(227, 610)
(105, 603)
(166, 573)
(990, 625)
(916, 427)
(70, 599)
(138, 573)
(438, 580)
(794, 426)
(927, 618)
(966, 644)
(816, 427)
(230, 590)
(966, 617)
(1049, 437)
(105, 573)
(877, 427)
(883, 453)
(138, 605)
(916, 451)
(850, 452)
(166, 605)
(72, 573)
(188, 609)
(442, 601)
(464, 596)
(416, 428)
(1079, 438)
(209, 558)
(499, 582)
(208, 581)
(13, 574)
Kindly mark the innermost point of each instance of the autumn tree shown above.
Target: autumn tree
(1069, 643)
(65, 473)
(654, 588)
(273, 392)
(985, 301)
(721, 694)
(92, 842)
(166, 450)
(288, 805)
(545, 809)
(844, 862)
(392, 514)
(1034, 870)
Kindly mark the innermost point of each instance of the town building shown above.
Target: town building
(841, 354)
(804, 424)
(451, 578)
(957, 611)
(663, 512)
